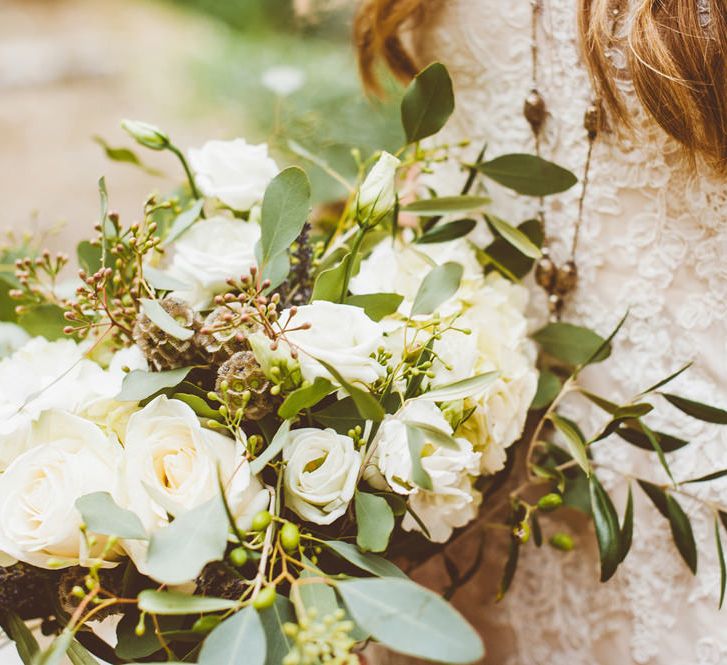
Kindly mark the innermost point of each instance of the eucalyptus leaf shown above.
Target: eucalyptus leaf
(132, 647)
(183, 221)
(514, 236)
(377, 305)
(450, 392)
(371, 563)
(528, 174)
(681, 531)
(274, 448)
(318, 596)
(411, 620)
(416, 442)
(162, 281)
(571, 344)
(178, 552)
(79, 655)
(103, 515)
(375, 522)
(427, 103)
(174, 602)
(139, 384)
(237, 640)
(574, 440)
(366, 404)
(440, 284)
(162, 319)
(704, 412)
(304, 398)
(446, 205)
(549, 386)
(44, 321)
(89, 256)
(273, 620)
(18, 632)
(608, 533)
(198, 405)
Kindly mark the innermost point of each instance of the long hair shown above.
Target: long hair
(676, 49)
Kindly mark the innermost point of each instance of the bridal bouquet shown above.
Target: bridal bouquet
(247, 414)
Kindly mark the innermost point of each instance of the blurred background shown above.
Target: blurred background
(70, 70)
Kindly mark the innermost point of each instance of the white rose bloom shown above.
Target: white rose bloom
(44, 375)
(170, 466)
(320, 475)
(67, 458)
(341, 335)
(235, 172)
(12, 337)
(400, 267)
(209, 253)
(377, 194)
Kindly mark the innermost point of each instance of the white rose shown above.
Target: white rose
(377, 194)
(44, 375)
(402, 266)
(341, 335)
(67, 458)
(12, 337)
(170, 466)
(320, 475)
(209, 253)
(235, 172)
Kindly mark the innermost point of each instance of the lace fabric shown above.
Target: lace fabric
(653, 241)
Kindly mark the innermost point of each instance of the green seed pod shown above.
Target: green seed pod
(238, 557)
(550, 502)
(206, 623)
(289, 536)
(562, 541)
(265, 598)
(261, 521)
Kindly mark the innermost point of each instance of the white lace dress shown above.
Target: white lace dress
(654, 240)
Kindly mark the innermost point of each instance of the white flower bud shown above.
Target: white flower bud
(377, 194)
(147, 135)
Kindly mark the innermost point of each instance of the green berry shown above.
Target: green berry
(206, 624)
(550, 502)
(289, 536)
(238, 557)
(265, 598)
(262, 520)
(562, 541)
(522, 532)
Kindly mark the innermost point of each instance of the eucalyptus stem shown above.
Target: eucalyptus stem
(187, 171)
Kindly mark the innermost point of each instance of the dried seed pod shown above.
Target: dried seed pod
(225, 331)
(245, 386)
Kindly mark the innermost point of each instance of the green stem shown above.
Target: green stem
(188, 172)
(350, 259)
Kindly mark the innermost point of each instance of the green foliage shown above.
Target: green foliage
(447, 232)
(305, 398)
(427, 103)
(377, 305)
(375, 522)
(163, 320)
(514, 236)
(371, 563)
(176, 603)
(274, 448)
(528, 174)
(445, 205)
(608, 532)
(44, 321)
(704, 412)
(19, 633)
(103, 515)
(239, 639)
(366, 404)
(573, 345)
(139, 384)
(549, 385)
(439, 285)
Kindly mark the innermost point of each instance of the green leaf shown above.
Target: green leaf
(447, 232)
(627, 528)
(427, 103)
(79, 655)
(162, 319)
(549, 386)
(447, 205)
(340, 416)
(654, 441)
(198, 405)
(608, 407)
(574, 440)
(515, 237)
(273, 450)
(274, 619)
(513, 555)
(450, 392)
(411, 620)
(571, 344)
(237, 640)
(178, 552)
(317, 595)
(507, 259)
(124, 155)
(668, 379)
(161, 281)
(133, 647)
(377, 305)
(629, 411)
(440, 284)
(19, 633)
(637, 438)
(103, 515)
(174, 602)
(528, 174)
(138, 384)
(657, 496)
(304, 398)
(366, 404)
(434, 435)
(183, 221)
(681, 531)
(608, 533)
(89, 256)
(704, 479)
(722, 567)
(285, 209)
(54, 654)
(375, 522)
(44, 321)
(329, 283)
(371, 563)
(416, 441)
(704, 412)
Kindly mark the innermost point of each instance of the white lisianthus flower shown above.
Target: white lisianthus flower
(377, 194)
(341, 335)
(67, 457)
(44, 375)
(400, 268)
(209, 253)
(235, 172)
(320, 475)
(170, 466)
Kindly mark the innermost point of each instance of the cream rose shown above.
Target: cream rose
(209, 253)
(235, 172)
(170, 466)
(67, 458)
(341, 335)
(320, 474)
(377, 194)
